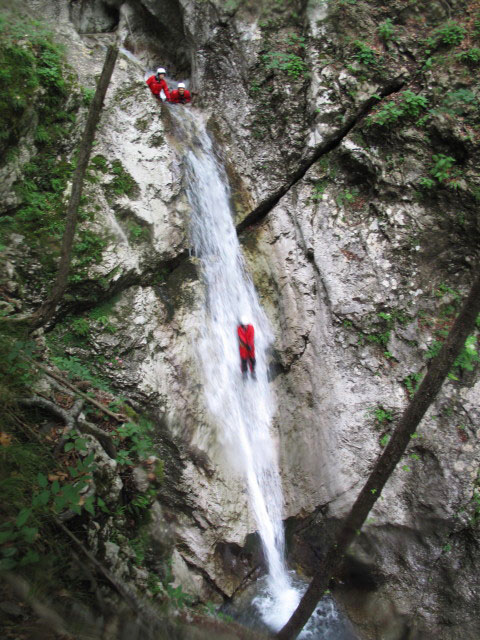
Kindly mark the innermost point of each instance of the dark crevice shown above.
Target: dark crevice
(276, 367)
(250, 576)
(330, 143)
(206, 577)
(94, 295)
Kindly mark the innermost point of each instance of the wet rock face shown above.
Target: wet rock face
(93, 16)
(360, 266)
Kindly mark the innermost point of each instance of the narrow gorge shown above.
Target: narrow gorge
(325, 183)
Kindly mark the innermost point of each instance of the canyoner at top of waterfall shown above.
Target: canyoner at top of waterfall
(157, 84)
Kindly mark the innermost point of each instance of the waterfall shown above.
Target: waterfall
(242, 408)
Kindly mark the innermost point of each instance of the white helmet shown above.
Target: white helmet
(244, 321)
(161, 70)
(181, 85)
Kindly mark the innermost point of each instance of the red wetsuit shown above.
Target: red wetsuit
(246, 345)
(157, 85)
(177, 97)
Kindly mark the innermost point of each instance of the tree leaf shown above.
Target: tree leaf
(44, 497)
(29, 558)
(7, 536)
(29, 533)
(42, 480)
(89, 505)
(60, 502)
(22, 517)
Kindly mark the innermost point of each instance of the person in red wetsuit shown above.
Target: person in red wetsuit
(157, 83)
(180, 95)
(246, 345)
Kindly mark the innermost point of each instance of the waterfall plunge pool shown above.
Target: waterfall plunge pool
(256, 608)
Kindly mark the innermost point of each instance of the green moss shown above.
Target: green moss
(156, 140)
(122, 183)
(35, 86)
(142, 124)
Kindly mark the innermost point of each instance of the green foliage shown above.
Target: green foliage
(386, 30)
(476, 27)
(381, 414)
(34, 79)
(444, 289)
(30, 496)
(441, 167)
(364, 54)
(87, 95)
(412, 103)
(99, 163)
(387, 321)
(30, 62)
(87, 250)
(448, 35)
(409, 105)
(458, 102)
(412, 382)
(319, 190)
(426, 183)
(122, 183)
(283, 55)
(139, 546)
(387, 114)
(16, 373)
(470, 57)
(136, 441)
(179, 598)
(212, 610)
(433, 349)
(384, 440)
(468, 357)
(80, 326)
(137, 233)
(77, 370)
(293, 64)
(142, 124)
(346, 197)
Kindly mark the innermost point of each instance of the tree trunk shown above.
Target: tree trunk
(47, 309)
(413, 414)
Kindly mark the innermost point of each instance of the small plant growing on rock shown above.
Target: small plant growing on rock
(442, 166)
(381, 414)
(122, 183)
(364, 54)
(386, 30)
(426, 183)
(412, 382)
(347, 197)
(412, 103)
(448, 35)
(87, 95)
(467, 358)
(289, 62)
(409, 104)
(470, 57)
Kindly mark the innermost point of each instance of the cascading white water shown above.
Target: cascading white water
(242, 408)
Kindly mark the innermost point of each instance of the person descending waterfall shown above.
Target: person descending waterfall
(180, 95)
(246, 346)
(157, 83)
